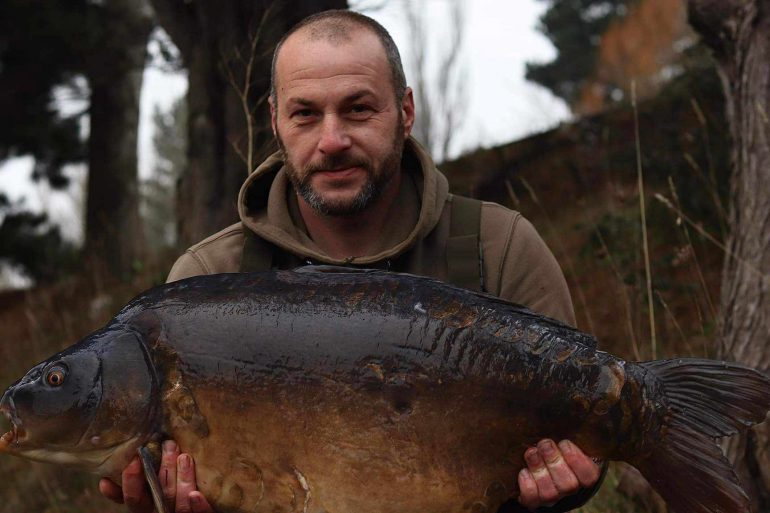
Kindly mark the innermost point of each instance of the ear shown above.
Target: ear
(407, 111)
(272, 115)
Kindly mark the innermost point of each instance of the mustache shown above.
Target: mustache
(335, 162)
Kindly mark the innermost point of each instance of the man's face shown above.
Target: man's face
(337, 120)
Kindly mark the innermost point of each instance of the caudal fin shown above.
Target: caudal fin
(705, 400)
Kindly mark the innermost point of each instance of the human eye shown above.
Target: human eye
(302, 113)
(361, 111)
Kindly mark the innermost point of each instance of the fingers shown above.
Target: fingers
(167, 472)
(564, 479)
(188, 499)
(199, 503)
(135, 495)
(585, 469)
(554, 472)
(185, 483)
(538, 481)
(528, 494)
(110, 490)
(177, 479)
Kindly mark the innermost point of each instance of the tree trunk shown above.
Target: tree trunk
(215, 39)
(738, 31)
(114, 236)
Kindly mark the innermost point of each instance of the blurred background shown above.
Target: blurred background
(129, 125)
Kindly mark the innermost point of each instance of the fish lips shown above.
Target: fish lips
(16, 434)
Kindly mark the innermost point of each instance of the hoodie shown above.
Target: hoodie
(517, 265)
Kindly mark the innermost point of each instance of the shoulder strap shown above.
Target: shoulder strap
(463, 248)
(257, 253)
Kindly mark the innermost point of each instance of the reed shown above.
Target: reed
(643, 216)
(572, 269)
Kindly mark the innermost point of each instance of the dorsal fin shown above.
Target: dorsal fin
(558, 328)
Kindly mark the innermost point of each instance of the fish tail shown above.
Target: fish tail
(704, 400)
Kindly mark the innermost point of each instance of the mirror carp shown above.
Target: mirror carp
(339, 391)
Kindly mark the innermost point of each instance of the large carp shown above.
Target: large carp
(352, 392)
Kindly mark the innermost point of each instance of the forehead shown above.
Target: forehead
(305, 61)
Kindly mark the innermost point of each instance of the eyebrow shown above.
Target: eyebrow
(357, 95)
(300, 101)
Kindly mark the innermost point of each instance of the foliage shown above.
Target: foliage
(575, 28)
(31, 243)
(611, 50)
(50, 34)
(638, 54)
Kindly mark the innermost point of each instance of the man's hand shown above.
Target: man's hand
(554, 472)
(176, 476)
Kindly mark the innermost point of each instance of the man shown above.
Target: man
(349, 187)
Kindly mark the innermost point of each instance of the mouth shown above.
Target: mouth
(341, 170)
(15, 434)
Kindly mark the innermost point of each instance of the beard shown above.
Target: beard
(377, 178)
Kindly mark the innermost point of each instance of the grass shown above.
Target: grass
(643, 219)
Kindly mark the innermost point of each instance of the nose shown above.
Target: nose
(334, 137)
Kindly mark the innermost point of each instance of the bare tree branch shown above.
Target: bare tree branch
(244, 91)
(441, 95)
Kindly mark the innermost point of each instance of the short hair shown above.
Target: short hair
(335, 26)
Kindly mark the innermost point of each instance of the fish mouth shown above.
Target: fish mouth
(16, 433)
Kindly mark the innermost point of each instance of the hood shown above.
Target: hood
(264, 206)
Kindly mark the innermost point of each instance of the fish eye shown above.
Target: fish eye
(55, 376)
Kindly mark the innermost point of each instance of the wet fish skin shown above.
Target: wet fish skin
(349, 391)
(95, 419)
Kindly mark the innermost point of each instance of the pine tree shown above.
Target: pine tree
(48, 44)
(159, 191)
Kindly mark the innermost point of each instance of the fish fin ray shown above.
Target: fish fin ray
(705, 400)
(692, 475)
(719, 397)
(151, 475)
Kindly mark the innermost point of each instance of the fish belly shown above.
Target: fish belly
(332, 447)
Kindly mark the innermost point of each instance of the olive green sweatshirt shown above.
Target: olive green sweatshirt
(517, 265)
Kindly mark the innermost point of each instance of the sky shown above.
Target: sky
(500, 37)
(500, 106)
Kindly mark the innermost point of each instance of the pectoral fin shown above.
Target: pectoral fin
(150, 465)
